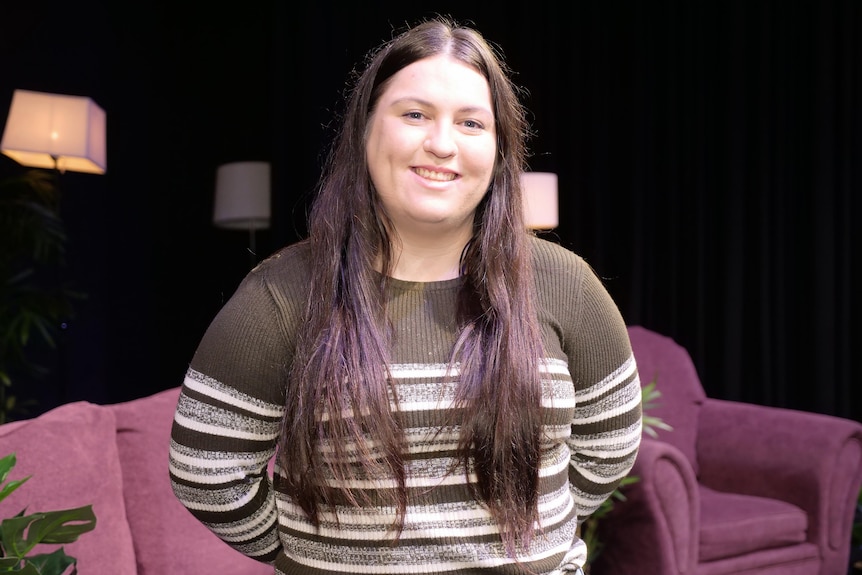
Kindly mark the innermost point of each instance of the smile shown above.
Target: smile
(436, 176)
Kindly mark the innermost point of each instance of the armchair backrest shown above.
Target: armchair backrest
(661, 359)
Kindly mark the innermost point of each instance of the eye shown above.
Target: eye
(473, 125)
(413, 115)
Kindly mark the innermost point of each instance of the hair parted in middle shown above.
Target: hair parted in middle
(340, 365)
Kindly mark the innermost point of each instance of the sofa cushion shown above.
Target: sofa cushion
(168, 539)
(732, 524)
(71, 454)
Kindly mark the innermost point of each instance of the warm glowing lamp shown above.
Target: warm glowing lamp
(539, 192)
(55, 131)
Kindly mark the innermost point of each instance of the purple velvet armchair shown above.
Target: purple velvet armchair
(734, 487)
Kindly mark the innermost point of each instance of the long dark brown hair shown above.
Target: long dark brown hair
(339, 388)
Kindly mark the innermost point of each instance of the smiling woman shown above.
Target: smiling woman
(431, 153)
(440, 390)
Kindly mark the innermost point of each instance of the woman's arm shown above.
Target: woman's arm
(606, 429)
(228, 420)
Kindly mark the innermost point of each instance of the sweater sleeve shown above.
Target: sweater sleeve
(228, 419)
(606, 429)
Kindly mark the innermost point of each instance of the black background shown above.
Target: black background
(708, 156)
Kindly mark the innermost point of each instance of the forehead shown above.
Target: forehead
(440, 78)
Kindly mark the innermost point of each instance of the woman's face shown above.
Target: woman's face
(432, 145)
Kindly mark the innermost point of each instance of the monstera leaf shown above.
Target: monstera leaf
(19, 535)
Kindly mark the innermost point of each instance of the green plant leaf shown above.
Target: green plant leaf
(22, 533)
(651, 423)
(11, 486)
(53, 563)
(7, 564)
(64, 526)
(649, 400)
(22, 567)
(6, 465)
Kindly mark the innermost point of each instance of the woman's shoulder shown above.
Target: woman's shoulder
(285, 270)
(292, 259)
(551, 257)
(570, 291)
(561, 273)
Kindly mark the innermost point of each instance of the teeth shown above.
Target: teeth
(437, 176)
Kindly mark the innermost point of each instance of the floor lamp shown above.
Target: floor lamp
(61, 133)
(242, 200)
(55, 131)
(540, 203)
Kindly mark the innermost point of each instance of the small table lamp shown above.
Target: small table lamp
(242, 198)
(55, 131)
(539, 193)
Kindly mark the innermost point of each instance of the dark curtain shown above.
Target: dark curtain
(717, 189)
(708, 155)
(709, 164)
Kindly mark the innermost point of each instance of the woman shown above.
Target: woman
(441, 391)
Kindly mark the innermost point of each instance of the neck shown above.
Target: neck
(423, 260)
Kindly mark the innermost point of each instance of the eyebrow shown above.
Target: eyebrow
(426, 103)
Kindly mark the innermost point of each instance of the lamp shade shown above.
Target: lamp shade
(242, 196)
(539, 192)
(55, 131)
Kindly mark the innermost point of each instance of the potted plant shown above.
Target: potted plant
(32, 301)
(19, 535)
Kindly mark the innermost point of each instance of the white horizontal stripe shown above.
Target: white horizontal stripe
(221, 463)
(358, 526)
(553, 469)
(447, 403)
(239, 400)
(441, 404)
(232, 505)
(250, 529)
(611, 453)
(625, 371)
(617, 445)
(200, 427)
(632, 404)
(423, 370)
(553, 365)
(434, 567)
(564, 511)
(559, 402)
(419, 370)
(196, 478)
(587, 474)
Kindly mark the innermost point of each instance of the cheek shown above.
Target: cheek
(483, 161)
(377, 158)
(387, 139)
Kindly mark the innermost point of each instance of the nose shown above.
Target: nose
(441, 141)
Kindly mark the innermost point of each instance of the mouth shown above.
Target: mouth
(435, 175)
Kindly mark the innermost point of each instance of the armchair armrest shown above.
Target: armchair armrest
(811, 460)
(658, 523)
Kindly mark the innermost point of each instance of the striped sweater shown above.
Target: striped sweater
(228, 419)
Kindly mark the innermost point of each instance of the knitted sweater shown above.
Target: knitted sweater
(228, 417)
